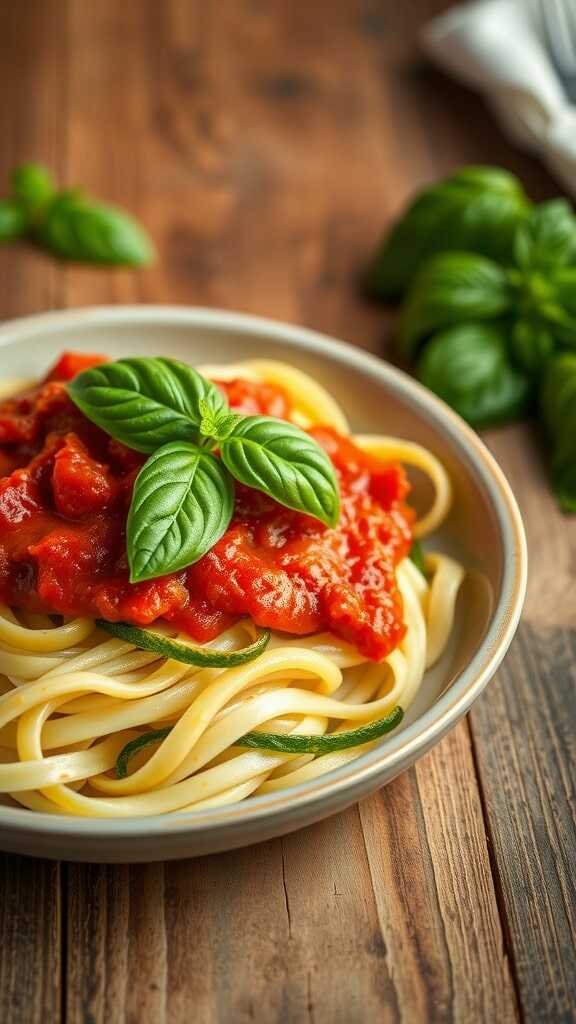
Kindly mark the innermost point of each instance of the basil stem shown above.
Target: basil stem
(280, 743)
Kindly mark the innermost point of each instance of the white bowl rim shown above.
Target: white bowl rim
(401, 749)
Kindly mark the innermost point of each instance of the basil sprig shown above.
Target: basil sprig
(489, 288)
(505, 322)
(183, 497)
(70, 224)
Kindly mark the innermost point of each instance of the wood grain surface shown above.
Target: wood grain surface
(266, 144)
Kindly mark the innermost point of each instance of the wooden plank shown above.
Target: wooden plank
(525, 746)
(30, 964)
(32, 123)
(32, 119)
(442, 937)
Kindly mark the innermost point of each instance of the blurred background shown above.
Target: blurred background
(264, 144)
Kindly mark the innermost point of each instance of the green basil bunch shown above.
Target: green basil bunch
(489, 288)
(70, 224)
(558, 410)
(478, 209)
(481, 332)
(183, 497)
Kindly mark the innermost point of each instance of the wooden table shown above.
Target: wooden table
(266, 144)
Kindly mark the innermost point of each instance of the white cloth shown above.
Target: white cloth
(498, 47)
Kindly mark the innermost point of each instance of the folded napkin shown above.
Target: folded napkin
(498, 46)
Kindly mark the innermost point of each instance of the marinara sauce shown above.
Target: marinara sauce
(65, 490)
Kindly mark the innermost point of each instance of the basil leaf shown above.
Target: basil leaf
(13, 222)
(532, 344)
(146, 402)
(284, 462)
(547, 238)
(477, 209)
(77, 228)
(182, 504)
(32, 187)
(453, 287)
(468, 366)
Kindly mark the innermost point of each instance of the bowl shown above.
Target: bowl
(484, 531)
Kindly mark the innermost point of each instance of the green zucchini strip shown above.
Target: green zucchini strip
(148, 640)
(284, 744)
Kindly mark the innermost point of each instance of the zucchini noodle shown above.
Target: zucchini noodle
(72, 697)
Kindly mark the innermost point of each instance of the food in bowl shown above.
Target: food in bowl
(210, 589)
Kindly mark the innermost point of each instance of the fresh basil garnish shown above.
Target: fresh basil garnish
(469, 367)
(146, 402)
(547, 238)
(477, 209)
(77, 228)
(182, 503)
(286, 463)
(452, 287)
(183, 497)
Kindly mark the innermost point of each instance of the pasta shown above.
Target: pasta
(72, 697)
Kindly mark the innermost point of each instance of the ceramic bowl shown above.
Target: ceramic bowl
(484, 531)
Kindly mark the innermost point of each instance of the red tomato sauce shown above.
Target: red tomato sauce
(65, 490)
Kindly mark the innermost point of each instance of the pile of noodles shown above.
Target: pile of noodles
(72, 697)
